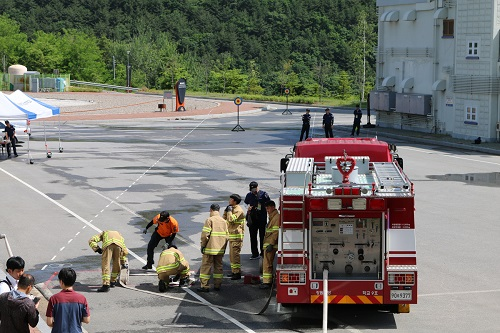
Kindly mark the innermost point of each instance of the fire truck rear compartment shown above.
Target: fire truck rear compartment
(350, 248)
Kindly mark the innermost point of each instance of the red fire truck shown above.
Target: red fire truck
(347, 225)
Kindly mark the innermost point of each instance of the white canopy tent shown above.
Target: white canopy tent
(42, 110)
(20, 106)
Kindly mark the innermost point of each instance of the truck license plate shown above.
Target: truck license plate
(400, 295)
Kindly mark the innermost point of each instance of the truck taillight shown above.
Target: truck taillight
(399, 279)
(377, 204)
(292, 277)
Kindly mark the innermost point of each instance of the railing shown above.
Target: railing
(101, 85)
(9, 251)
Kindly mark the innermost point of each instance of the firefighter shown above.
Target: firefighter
(270, 244)
(172, 262)
(167, 227)
(113, 248)
(235, 218)
(214, 238)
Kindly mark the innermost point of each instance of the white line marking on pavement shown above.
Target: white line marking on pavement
(219, 311)
(65, 209)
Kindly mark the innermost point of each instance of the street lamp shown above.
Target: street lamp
(128, 68)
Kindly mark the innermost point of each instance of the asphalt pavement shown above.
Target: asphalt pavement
(104, 153)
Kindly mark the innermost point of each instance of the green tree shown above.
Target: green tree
(44, 53)
(82, 57)
(344, 89)
(13, 43)
(254, 79)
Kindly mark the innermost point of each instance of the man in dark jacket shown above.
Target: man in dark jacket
(10, 135)
(328, 123)
(257, 218)
(17, 310)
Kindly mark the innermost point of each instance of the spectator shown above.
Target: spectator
(113, 248)
(15, 268)
(235, 218)
(328, 123)
(167, 228)
(357, 120)
(10, 136)
(256, 217)
(67, 310)
(17, 310)
(213, 243)
(306, 124)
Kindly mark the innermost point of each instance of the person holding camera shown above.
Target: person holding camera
(113, 248)
(235, 218)
(166, 228)
(17, 310)
(270, 244)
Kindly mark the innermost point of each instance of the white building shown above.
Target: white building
(438, 67)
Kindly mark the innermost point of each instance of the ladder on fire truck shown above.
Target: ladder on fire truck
(389, 177)
(298, 246)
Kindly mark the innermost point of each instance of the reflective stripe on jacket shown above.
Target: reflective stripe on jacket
(272, 230)
(172, 262)
(108, 237)
(214, 235)
(235, 223)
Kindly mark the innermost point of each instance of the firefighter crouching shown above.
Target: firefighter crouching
(235, 218)
(270, 244)
(113, 249)
(172, 262)
(214, 238)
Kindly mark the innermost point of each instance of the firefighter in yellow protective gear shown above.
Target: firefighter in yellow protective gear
(172, 262)
(235, 218)
(270, 244)
(113, 248)
(214, 238)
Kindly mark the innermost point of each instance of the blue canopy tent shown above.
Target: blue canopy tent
(40, 109)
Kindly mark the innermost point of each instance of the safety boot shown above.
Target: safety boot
(236, 276)
(103, 289)
(162, 286)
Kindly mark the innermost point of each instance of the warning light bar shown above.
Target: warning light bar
(400, 279)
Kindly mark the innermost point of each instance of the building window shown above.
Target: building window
(472, 49)
(448, 28)
(471, 114)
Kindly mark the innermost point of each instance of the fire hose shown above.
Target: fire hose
(123, 281)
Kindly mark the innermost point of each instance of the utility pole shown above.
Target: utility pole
(114, 69)
(128, 69)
